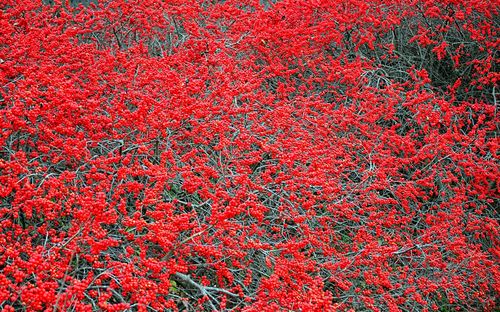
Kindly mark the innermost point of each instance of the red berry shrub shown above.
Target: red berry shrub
(249, 155)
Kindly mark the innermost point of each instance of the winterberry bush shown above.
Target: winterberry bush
(247, 155)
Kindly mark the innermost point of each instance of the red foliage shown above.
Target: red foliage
(249, 155)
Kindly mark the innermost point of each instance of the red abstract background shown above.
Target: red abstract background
(245, 155)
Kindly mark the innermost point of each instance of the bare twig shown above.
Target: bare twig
(204, 290)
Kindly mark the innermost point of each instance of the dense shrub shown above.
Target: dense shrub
(249, 155)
